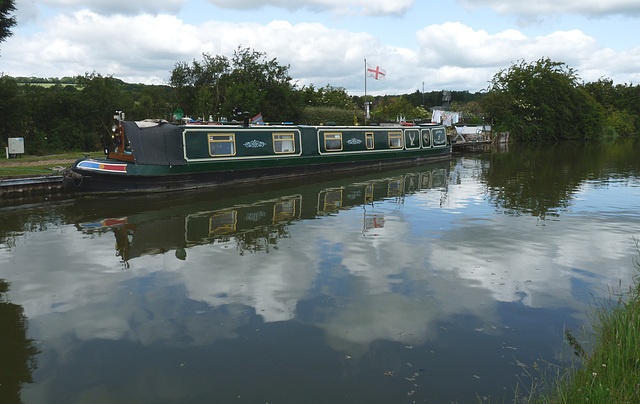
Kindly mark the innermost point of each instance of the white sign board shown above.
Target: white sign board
(16, 145)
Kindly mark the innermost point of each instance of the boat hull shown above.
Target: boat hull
(88, 182)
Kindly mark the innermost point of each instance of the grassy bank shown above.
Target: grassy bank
(26, 165)
(610, 372)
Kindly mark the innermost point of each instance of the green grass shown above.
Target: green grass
(26, 158)
(610, 372)
(29, 165)
(34, 171)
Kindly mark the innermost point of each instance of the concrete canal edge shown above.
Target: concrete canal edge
(32, 187)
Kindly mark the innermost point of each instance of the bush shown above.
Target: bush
(322, 115)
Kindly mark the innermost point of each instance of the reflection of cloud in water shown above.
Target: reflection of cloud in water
(536, 261)
(398, 296)
(447, 259)
(271, 283)
(61, 270)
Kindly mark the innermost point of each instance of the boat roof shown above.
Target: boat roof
(149, 123)
(155, 143)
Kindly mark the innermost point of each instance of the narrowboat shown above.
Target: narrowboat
(152, 155)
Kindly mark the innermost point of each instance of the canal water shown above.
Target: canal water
(446, 282)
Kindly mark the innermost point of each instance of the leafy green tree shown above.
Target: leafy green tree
(182, 83)
(327, 104)
(12, 109)
(542, 101)
(100, 97)
(152, 101)
(198, 86)
(393, 108)
(467, 108)
(207, 81)
(322, 115)
(7, 21)
(57, 110)
(265, 83)
(244, 96)
(39, 106)
(621, 104)
(330, 96)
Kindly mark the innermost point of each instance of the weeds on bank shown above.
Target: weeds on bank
(610, 373)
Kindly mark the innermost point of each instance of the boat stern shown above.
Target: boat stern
(87, 174)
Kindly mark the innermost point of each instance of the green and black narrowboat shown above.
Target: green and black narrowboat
(149, 156)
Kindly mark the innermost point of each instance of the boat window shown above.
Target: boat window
(222, 144)
(284, 210)
(333, 141)
(426, 138)
(395, 187)
(439, 137)
(223, 223)
(283, 143)
(332, 201)
(368, 193)
(395, 140)
(369, 140)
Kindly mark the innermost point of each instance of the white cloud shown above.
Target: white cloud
(451, 55)
(551, 7)
(351, 7)
(365, 7)
(454, 44)
(26, 11)
(115, 6)
(137, 49)
(463, 50)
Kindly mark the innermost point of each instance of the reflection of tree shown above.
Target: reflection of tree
(540, 179)
(17, 353)
(14, 223)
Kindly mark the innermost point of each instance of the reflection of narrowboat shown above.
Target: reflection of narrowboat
(160, 156)
(254, 223)
(260, 217)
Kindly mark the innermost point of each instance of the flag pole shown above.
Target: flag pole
(366, 105)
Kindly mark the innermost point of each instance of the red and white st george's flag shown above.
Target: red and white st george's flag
(377, 73)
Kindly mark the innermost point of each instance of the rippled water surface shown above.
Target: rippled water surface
(438, 283)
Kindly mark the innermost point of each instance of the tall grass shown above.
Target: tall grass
(610, 372)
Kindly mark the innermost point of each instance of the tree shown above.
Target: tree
(12, 109)
(264, 84)
(199, 86)
(216, 86)
(322, 115)
(542, 101)
(152, 101)
(391, 108)
(101, 97)
(330, 96)
(7, 21)
(621, 104)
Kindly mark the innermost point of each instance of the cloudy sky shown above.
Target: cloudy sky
(450, 44)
